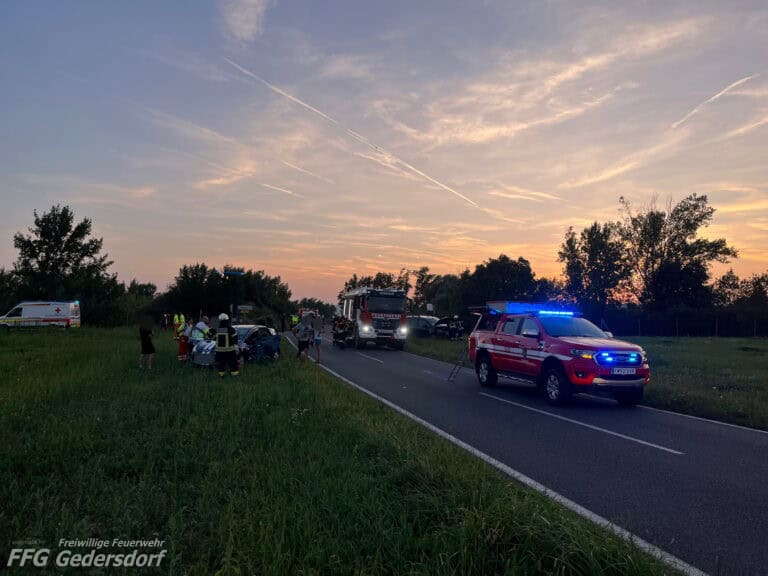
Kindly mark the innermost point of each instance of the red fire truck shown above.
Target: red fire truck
(557, 350)
(372, 315)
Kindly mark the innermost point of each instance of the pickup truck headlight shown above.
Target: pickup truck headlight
(578, 353)
(366, 328)
(403, 330)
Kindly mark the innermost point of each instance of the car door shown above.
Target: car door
(529, 346)
(507, 353)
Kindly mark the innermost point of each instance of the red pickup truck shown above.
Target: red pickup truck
(558, 351)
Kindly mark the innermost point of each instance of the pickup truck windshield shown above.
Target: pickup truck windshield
(573, 327)
(386, 304)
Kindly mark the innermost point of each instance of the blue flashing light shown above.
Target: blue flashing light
(77, 302)
(541, 308)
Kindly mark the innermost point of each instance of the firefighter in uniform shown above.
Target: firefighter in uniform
(226, 348)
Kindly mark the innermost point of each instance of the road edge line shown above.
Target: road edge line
(665, 557)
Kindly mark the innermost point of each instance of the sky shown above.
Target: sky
(314, 140)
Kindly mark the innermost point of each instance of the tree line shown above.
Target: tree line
(59, 259)
(644, 270)
(650, 264)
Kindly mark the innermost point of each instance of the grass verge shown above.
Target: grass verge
(718, 378)
(285, 470)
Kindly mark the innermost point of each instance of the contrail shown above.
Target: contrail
(717, 96)
(308, 172)
(360, 138)
(281, 92)
(283, 190)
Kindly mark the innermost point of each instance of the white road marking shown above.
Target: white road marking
(705, 419)
(584, 424)
(665, 557)
(370, 358)
(692, 417)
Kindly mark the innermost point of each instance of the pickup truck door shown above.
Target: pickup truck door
(507, 353)
(530, 362)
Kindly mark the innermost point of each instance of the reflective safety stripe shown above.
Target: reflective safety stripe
(518, 352)
(226, 342)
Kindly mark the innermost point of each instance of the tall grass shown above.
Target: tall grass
(283, 471)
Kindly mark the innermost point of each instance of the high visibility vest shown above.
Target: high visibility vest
(226, 340)
(175, 318)
(180, 329)
(181, 318)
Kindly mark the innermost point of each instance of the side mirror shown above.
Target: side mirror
(609, 334)
(530, 334)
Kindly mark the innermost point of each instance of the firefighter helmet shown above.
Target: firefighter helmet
(223, 316)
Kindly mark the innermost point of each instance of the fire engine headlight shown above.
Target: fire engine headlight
(366, 328)
(403, 330)
(578, 353)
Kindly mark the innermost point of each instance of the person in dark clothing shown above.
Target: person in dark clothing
(227, 350)
(147, 346)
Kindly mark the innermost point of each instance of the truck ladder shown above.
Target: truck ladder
(460, 362)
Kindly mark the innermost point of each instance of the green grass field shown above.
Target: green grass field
(283, 471)
(720, 378)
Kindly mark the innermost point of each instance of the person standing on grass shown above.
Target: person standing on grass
(304, 336)
(147, 346)
(227, 350)
(184, 332)
(317, 330)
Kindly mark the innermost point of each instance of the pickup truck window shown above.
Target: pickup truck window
(487, 322)
(573, 327)
(510, 326)
(530, 324)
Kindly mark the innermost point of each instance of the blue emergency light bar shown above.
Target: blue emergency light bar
(542, 309)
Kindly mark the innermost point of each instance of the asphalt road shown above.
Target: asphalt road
(693, 488)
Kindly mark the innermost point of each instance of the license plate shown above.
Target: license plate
(624, 371)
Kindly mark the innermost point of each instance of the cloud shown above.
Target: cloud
(187, 128)
(714, 98)
(752, 125)
(354, 134)
(670, 143)
(521, 94)
(244, 19)
(346, 66)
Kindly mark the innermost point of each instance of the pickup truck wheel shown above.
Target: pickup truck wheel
(629, 397)
(486, 374)
(557, 387)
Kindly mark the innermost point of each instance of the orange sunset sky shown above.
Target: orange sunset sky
(318, 140)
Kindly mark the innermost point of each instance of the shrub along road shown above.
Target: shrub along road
(691, 487)
(285, 470)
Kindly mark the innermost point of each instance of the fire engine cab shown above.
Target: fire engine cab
(559, 351)
(372, 315)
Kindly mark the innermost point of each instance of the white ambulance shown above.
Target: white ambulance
(42, 313)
